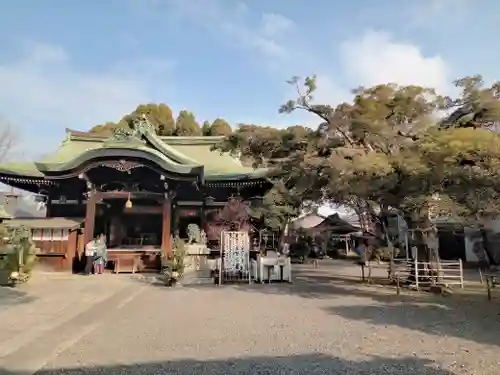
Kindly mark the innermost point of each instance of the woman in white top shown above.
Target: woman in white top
(90, 251)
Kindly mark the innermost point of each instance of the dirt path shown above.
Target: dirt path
(325, 323)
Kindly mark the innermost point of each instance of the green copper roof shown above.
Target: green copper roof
(217, 165)
(20, 169)
(182, 155)
(4, 214)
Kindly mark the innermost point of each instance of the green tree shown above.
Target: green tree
(109, 127)
(220, 127)
(369, 150)
(160, 116)
(471, 192)
(280, 150)
(467, 155)
(386, 150)
(205, 129)
(477, 106)
(278, 206)
(365, 151)
(186, 124)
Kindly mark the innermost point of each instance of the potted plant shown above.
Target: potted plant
(173, 265)
(18, 257)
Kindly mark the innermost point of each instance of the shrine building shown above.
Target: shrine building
(137, 188)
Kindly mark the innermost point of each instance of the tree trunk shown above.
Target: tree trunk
(419, 222)
(282, 233)
(487, 248)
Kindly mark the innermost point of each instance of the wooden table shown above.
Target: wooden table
(129, 262)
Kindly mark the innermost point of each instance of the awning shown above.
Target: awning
(46, 223)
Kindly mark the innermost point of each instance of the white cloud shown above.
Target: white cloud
(330, 92)
(269, 37)
(376, 58)
(43, 88)
(437, 14)
(274, 25)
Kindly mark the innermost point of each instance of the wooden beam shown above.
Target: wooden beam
(124, 195)
(166, 244)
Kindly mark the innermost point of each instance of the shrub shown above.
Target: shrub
(300, 250)
(174, 264)
(20, 256)
(384, 254)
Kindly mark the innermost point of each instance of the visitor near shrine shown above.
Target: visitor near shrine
(90, 252)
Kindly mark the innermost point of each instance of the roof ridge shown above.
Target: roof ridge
(192, 140)
(75, 135)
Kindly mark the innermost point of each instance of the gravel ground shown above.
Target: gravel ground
(325, 323)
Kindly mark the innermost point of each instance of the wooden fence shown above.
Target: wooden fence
(425, 274)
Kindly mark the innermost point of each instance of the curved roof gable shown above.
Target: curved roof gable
(183, 155)
(80, 148)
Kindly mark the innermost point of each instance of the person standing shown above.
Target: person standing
(90, 251)
(286, 249)
(101, 256)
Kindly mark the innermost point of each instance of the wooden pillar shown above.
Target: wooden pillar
(48, 206)
(203, 219)
(90, 217)
(71, 249)
(166, 244)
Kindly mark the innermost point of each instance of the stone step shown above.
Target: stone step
(197, 277)
(198, 274)
(197, 281)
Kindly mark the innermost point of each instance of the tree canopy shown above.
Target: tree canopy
(220, 127)
(161, 116)
(205, 128)
(391, 147)
(186, 124)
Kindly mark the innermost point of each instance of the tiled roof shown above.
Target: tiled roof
(178, 154)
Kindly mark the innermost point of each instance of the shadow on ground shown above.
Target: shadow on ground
(10, 296)
(300, 364)
(471, 318)
(466, 322)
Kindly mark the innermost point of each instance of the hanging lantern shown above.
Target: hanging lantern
(128, 203)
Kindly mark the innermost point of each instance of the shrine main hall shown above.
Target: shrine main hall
(137, 188)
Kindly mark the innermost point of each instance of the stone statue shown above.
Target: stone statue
(193, 233)
(203, 237)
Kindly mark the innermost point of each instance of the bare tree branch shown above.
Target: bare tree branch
(8, 139)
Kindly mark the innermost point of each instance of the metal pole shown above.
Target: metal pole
(249, 266)
(221, 256)
(407, 245)
(461, 274)
(416, 272)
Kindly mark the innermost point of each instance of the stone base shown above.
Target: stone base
(196, 258)
(197, 278)
(197, 249)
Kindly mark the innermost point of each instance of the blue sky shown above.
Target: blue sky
(75, 64)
